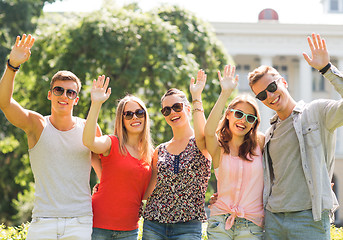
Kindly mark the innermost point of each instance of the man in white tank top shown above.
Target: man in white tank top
(60, 162)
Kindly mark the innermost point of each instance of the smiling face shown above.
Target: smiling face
(280, 100)
(176, 119)
(136, 124)
(62, 103)
(240, 127)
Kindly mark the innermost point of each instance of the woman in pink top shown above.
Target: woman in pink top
(125, 165)
(235, 147)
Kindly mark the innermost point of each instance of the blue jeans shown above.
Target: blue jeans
(106, 234)
(153, 230)
(241, 229)
(296, 225)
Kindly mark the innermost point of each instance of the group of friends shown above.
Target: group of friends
(275, 185)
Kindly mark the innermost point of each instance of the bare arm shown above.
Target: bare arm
(199, 119)
(228, 84)
(153, 179)
(99, 94)
(29, 121)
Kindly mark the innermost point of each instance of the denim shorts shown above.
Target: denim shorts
(296, 225)
(106, 234)
(153, 230)
(241, 229)
(78, 228)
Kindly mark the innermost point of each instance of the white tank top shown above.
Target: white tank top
(61, 166)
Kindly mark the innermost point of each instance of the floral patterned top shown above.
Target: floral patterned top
(182, 180)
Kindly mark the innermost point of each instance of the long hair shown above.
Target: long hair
(145, 142)
(224, 134)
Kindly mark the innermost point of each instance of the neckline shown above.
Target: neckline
(187, 146)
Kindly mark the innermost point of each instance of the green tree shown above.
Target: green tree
(144, 53)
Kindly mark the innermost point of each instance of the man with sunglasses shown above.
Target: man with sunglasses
(299, 151)
(60, 162)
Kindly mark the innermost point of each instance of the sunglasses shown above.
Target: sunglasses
(58, 91)
(238, 114)
(128, 115)
(177, 107)
(272, 87)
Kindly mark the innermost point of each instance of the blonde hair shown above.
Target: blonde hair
(65, 76)
(224, 133)
(145, 143)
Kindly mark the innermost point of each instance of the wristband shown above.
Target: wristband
(14, 69)
(196, 100)
(197, 110)
(325, 69)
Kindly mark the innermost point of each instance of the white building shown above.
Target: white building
(269, 42)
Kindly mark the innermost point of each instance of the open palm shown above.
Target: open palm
(21, 50)
(100, 91)
(197, 87)
(229, 81)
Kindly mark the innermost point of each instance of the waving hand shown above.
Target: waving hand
(100, 91)
(229, 81)
(21, 50)
(320, 55)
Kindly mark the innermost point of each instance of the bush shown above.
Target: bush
(14, 233)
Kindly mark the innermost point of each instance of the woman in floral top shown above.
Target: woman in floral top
(181, 170)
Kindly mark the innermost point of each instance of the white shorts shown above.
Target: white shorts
(65, 228)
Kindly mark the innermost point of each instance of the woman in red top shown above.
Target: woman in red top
(125, 163)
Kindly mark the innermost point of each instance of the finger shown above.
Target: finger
(94, 84)
(324, 44)
(22, 40)
(107, 82)
(314, 40)
(236, 79)
(17, 41)
(319, 41)
(307, 58)
(233, 69)
(109, 91)
(219, 76)
(192, 81)
(28, 40)
(309, 40)
(31, 43)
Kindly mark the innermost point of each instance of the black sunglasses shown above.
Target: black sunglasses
(272, 87)
(177, 107)
(238, 114)
(128, 115)
(58, 91)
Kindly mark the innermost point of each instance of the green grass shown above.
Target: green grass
(19, 232)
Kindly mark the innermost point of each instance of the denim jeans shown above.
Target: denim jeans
(296, 225)
(241, 229)
(106, 234)
(76, 228)
(153, 230)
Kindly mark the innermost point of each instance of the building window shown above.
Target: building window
(336, 6)
(243, 72)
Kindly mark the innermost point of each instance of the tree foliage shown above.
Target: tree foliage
(144, 53)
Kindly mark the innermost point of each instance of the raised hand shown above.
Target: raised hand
(229, 81)
(320, 55)
(197, 87)
(100, 93)
(21, 50)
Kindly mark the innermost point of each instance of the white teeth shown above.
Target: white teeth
(64, 103)
(174, 118)
(136, 124)
(275, 100)
(240, 126)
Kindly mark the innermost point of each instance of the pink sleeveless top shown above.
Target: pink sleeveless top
(240, 188)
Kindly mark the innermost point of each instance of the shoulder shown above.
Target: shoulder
(260, 139)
